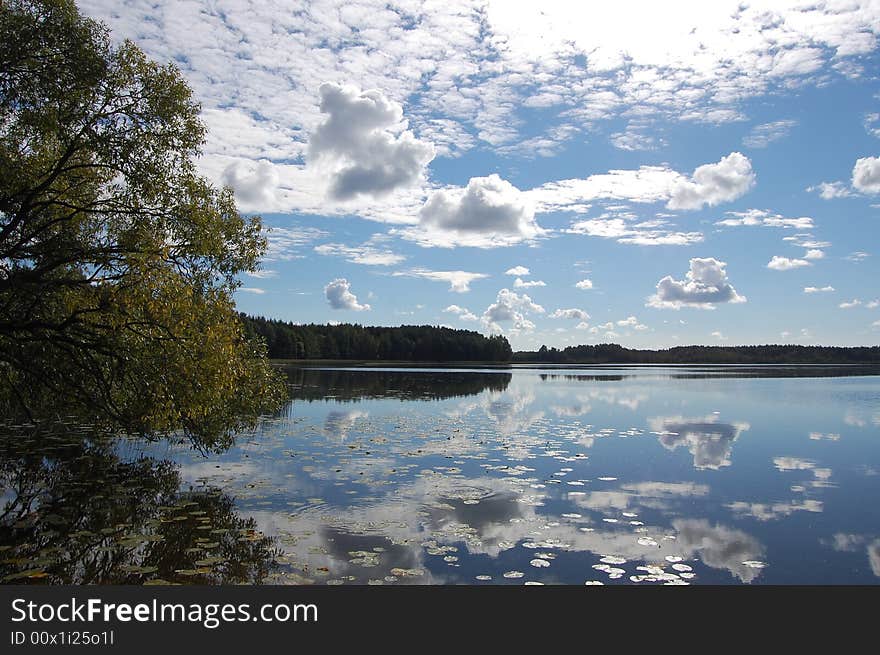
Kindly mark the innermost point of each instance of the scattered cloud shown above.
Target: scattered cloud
(520, 284)
(857, 256)
(764, 217)
(814, 253)
(285, 242)
(584, 284)
(710, 184)
(572, 313)
(254, 290)
(365, 254)
(364, 144)
(866, 175)
(831, 190)
(459, 281)
(339, 295)
(766, 133)
(825, 289)
(462, 313)
(849, 304)
(490, 212)
(778, 263)
(255, 184)
(519, 271)
(704, 286)
(510, 307)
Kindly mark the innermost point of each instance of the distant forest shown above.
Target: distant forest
(611, 353)
(424, 343)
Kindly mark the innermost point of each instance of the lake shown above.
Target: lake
(555, 475)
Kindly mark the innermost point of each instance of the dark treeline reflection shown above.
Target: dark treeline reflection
(351, 385)
(74, 511)
(708, 373)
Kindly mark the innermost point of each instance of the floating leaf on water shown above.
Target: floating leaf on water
(646, 541)
(613, 559)
(755, 564)
(407, 573)
(538, 563)
(533, 583)
(610, 520)
(514, 574)
(594, 583)
(673, 558)
(682, 567)
(484, 578)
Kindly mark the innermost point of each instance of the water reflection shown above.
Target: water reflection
(474, 477)
(708, 440)
(75, 512)
(357, 384)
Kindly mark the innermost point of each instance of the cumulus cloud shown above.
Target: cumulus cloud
(365, 144)
(463, 313)
(255, 184)
(339, 295)
(510, 307)
(488, 213)
(855, 302)
(778, 263)
(704, 286)
(518, 271)
(824, 289)
(866, 175)
(584, 284)
(459, 281)
(830, 190)
(572, 313)
(814, 253)
(519, 283)
(712, 184)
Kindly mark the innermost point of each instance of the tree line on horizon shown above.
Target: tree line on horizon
(285, 340)
(608, 353)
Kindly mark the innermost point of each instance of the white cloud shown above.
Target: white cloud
(520, 284)
(263, 274)
(255, 184)
(285, 242)
(814, 253)
(572, 313)
(364, 144)
(459, 281)
(462, 313)
(712, 184)
(339, 295)
(766, 133)
(718, 335)
(866, 175)
(752, 217)
(824, 289)
(646, 233)
(510, 307)
(518, 271)
(254, 290)
(584, 284)
(488, 213)
(831, 190)
(365, 254)
(857, 256)
(706, 285)
(855, 302)
(778, 263)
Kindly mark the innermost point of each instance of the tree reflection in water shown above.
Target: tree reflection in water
(73, 510)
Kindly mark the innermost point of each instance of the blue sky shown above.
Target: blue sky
(652, 174)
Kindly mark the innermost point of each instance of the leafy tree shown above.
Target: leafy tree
(117, 260)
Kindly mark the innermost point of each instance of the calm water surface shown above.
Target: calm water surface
(613, 475)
